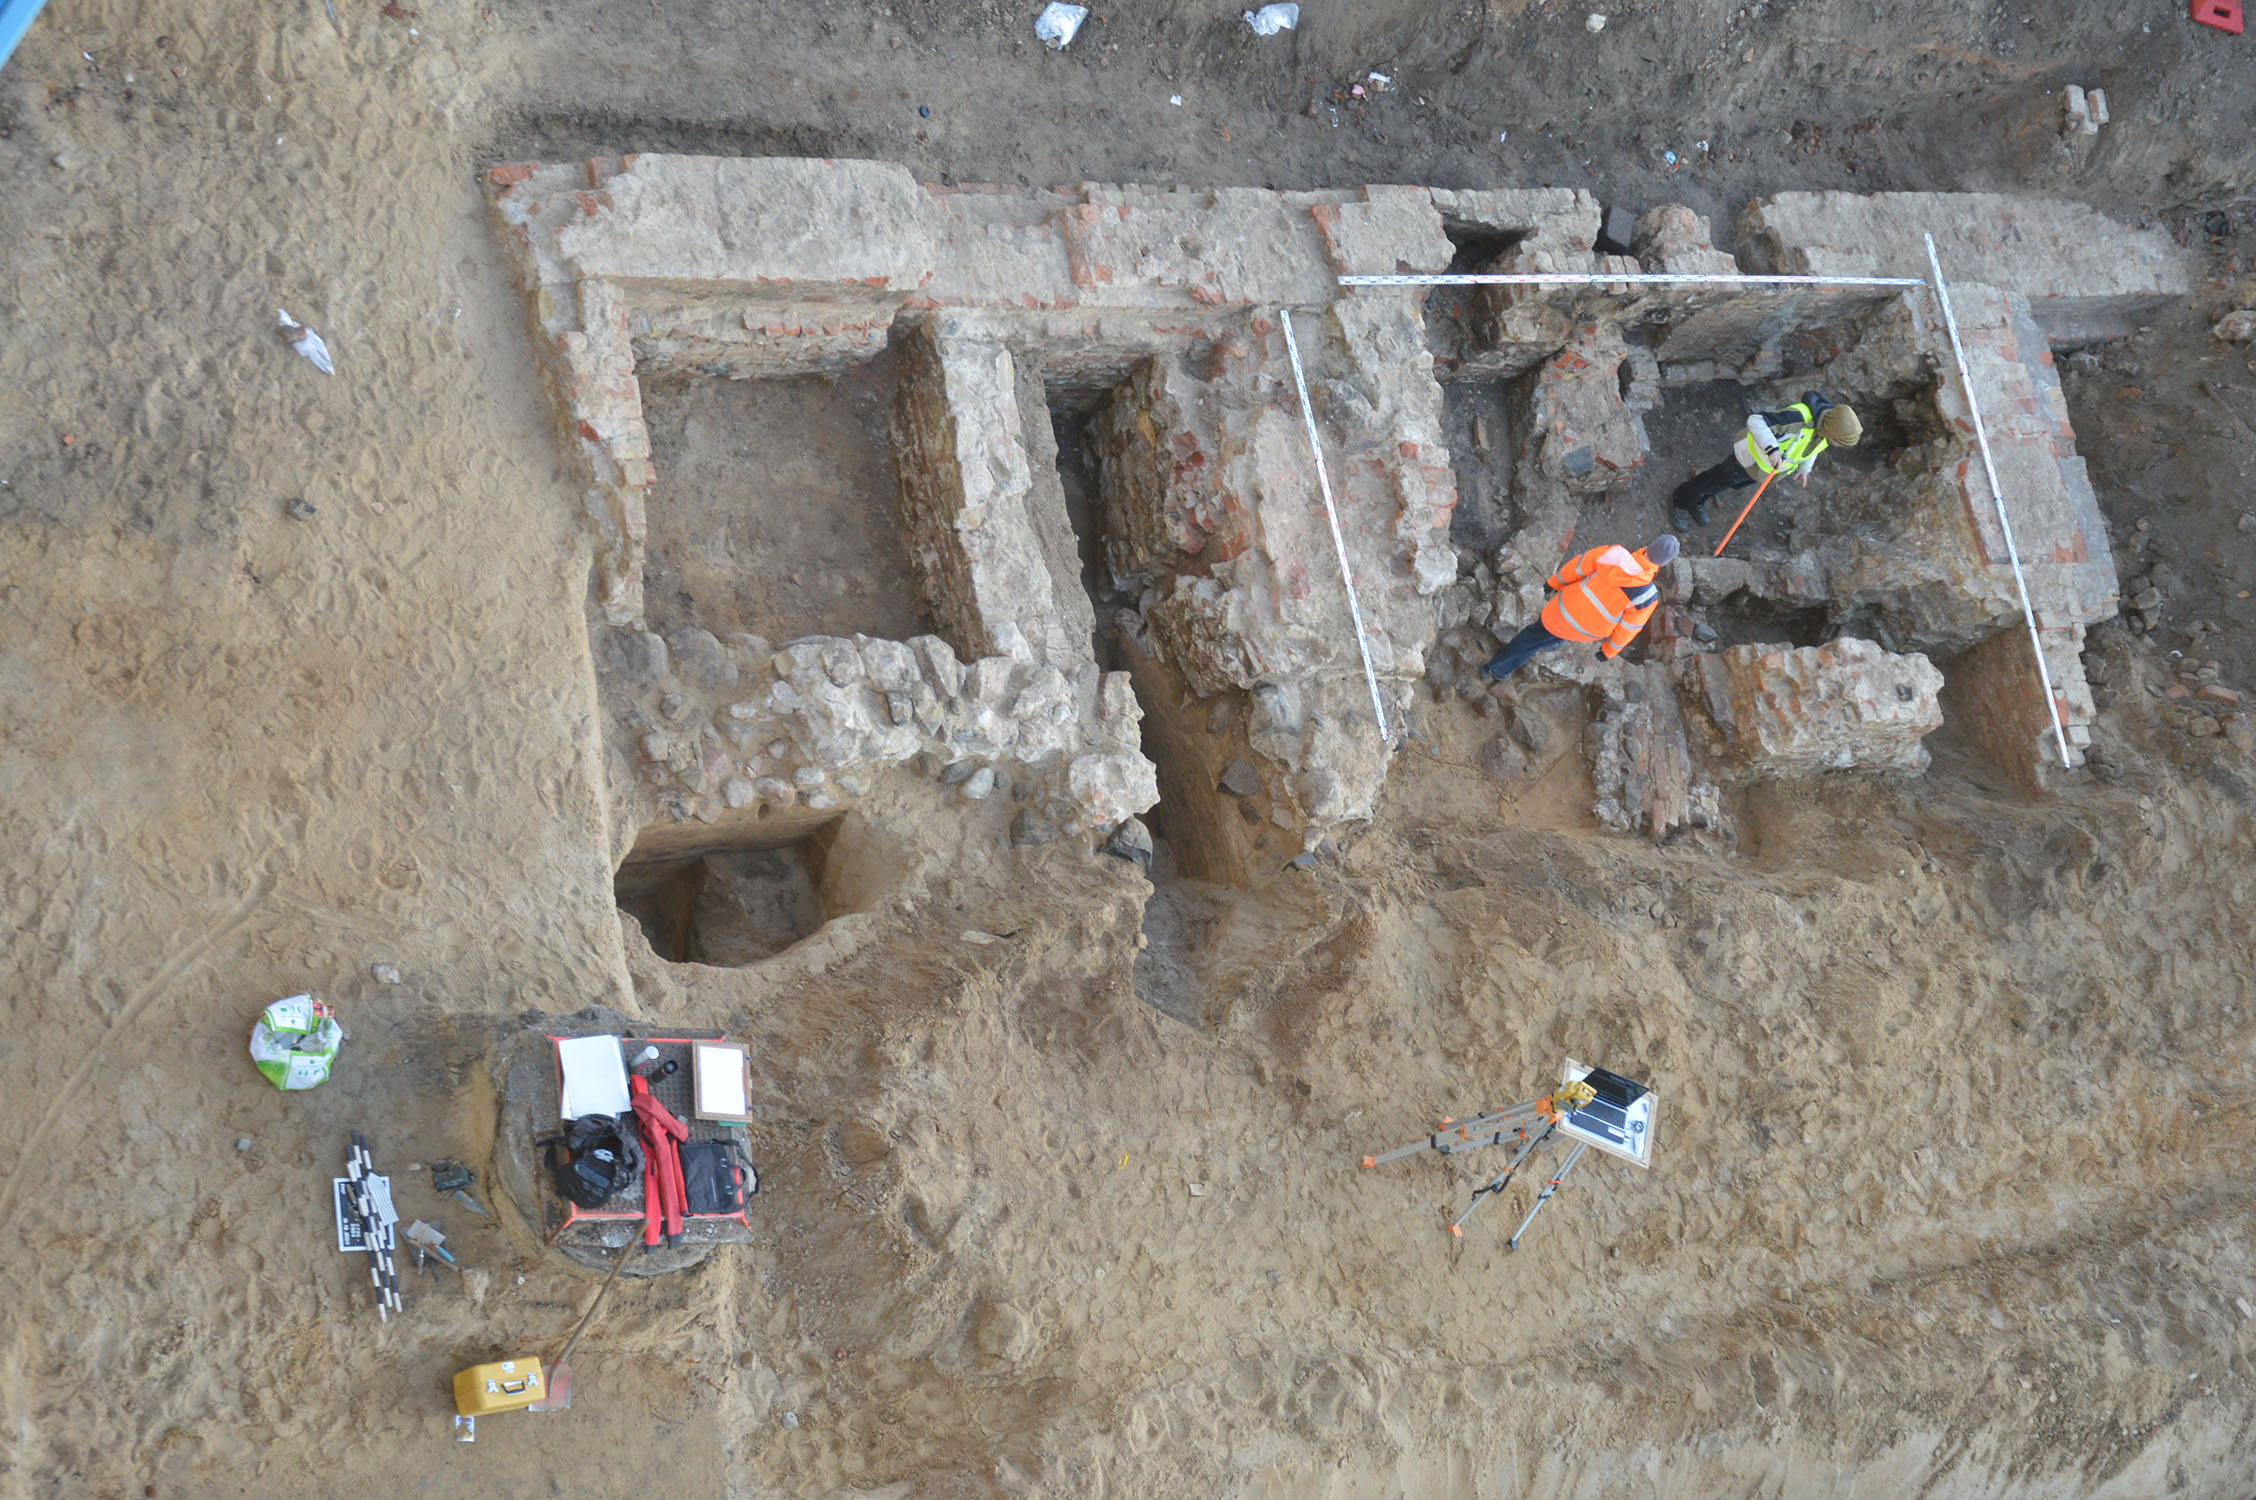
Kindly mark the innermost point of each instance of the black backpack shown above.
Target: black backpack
(598, 1160)
(716, 1177)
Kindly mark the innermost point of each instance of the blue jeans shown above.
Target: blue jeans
(1520, 650)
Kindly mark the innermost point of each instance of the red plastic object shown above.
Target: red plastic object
(2222, 14)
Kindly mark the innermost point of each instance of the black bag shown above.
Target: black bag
(715, 1177)
(598, 1162)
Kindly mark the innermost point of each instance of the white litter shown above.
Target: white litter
(1058, 23)
(1595, 24)
(1176, 100)
(1379, 82)
(1271, 19)
(308, 343)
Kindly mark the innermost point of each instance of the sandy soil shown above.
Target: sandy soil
(1953, 1196)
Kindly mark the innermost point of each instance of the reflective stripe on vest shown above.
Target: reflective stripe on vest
(1598, 604)
(1803, 444)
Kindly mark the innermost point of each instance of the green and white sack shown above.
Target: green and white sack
(295, 1041)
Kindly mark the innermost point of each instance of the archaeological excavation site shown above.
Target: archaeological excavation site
(1393, 751)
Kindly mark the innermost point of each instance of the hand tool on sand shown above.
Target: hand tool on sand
(1593, 1107)
(559, 1397)
(1743, 514)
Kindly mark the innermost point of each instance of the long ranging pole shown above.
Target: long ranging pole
(1997, 498)
(1628, 278)
(1331, 513)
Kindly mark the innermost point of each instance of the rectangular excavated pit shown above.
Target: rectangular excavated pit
(727, 897)
(775, 508)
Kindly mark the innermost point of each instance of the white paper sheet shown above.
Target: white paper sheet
(595, 1076)
(720, 1082)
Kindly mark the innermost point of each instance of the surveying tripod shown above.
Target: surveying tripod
(1518, 1123)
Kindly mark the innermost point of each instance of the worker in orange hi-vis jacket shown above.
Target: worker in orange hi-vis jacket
(1605, 595)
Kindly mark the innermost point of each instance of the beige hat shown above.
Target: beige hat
(1839, 425)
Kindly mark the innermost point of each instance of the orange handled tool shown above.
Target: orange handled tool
(1734, 531)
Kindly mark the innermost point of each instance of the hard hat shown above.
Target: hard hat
(1839, 425)
(1661, 550)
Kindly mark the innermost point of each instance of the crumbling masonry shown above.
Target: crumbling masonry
(1219, 595)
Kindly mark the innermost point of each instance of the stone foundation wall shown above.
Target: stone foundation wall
(1771, 712)
(1168, 300)
(2086, 277)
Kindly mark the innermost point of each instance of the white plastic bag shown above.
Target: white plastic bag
(1271, 19)
(1058, 23)
(294, 1042)
(308, 343)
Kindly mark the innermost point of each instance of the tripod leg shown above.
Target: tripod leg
(1502, 1180)
(1548, 1189)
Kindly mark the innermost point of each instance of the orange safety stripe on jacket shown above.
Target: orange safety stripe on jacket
(1607, 594)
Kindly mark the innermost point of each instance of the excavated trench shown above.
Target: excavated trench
(1191, 868)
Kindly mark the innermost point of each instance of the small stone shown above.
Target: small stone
(1027, 828)
(980, 939)
(1533, 730)
(384, 973)
(1131, 841)
(243, 1143)
(737, 792)
(1502, 760)
(775, 791)
(635, 655)
(2237, 327)
(672, 705)
(808, 776)
(820, 800)
(2202, 727)
(2216, 694)
(656, 747)
(298, 507)
(1198, 1189)
(979, 785)
(1241, 779)
(2241, 730)
(778, 749)
(2247, 522)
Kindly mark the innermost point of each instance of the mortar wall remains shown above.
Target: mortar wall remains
(2086, 277)
(1800, 711)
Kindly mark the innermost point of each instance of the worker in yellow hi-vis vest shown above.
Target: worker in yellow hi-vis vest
(1774, 440)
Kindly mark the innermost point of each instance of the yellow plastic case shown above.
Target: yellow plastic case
(505, 1385)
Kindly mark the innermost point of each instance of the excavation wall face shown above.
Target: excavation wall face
(942, 325)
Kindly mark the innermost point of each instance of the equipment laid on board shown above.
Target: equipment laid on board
(678, 1174)
(1591, 1107)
